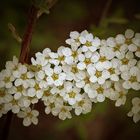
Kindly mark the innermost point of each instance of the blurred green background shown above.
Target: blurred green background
(105, 122)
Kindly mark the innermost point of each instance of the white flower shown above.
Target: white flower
(25, 101)
(55, 76)
(18, 92)
(127, 61)
(82, 78)
(72, 96)
(114, 91)
(132, 78)
(114, 72)
(84, 60)
(13, 106)
(84, 106)
(136, 105)
(96, 91)
(97, 76)
(5, 97)
(74, 39)
(72, 72)
(135, 111)
(53, 105)
(12, 65)
(89, 90)
(29, 116)
(65, 55)
(35, 91)
(89, 44)
(103, 63)
(65, 112)
(22, 76)
(136, 44)
(106, 53)
(100, 90)
(121, 99)
(6, 79)
(40, 60)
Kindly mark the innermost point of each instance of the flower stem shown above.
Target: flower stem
(28, 35)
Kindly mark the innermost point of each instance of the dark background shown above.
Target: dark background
(105, 122)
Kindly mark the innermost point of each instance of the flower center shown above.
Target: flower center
(74, 54)
(24, 76)
(125, 61)
(63, 109)
(88, 44)
(81, 103)
(113, 86)
(87, 80)
(52, 105)
(72, 94)
(133, 79)
(128, 41)
(61, 58)
(74, 69)
(37, 87)
(55, 76)
(121, 94)
(87, 61)
(20, 88)
(116, 48)
(98, 74)
(7, 79)
(112, 70)
(102, 58)
(100, 90)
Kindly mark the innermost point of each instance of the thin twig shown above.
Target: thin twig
(105, 11)
(14, 33)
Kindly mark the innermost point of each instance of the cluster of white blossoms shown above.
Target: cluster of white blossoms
(88, 71)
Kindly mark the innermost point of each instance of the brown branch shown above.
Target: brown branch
(28, 35)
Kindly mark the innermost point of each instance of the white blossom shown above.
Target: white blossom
(135, 110)
(29, 116)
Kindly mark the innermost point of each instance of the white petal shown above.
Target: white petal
(129, 33)
(26, 121)
(81, 66)
(100, 98)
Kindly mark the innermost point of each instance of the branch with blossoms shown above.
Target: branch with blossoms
(87, 71)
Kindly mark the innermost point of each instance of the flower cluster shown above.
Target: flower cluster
(88, 71)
